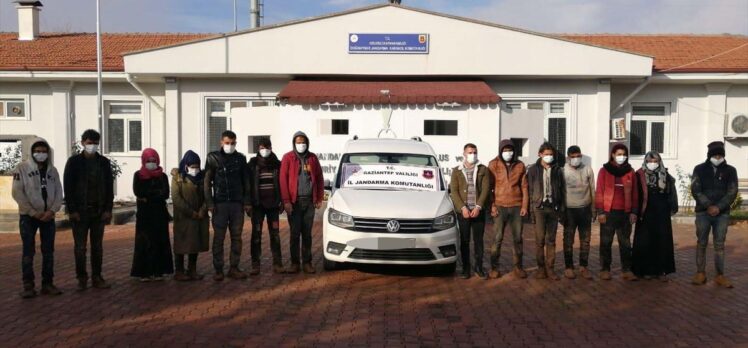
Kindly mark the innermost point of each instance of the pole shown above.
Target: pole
(235, 27)
(99, 100)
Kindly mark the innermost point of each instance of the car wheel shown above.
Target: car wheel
(329, 265)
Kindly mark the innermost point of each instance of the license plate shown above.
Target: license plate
(395, 243)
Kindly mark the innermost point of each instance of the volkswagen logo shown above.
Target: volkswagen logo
(393, 226)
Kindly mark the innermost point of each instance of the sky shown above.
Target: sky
(549, 16)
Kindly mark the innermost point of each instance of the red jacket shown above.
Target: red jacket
(606, 187)
(289, 177)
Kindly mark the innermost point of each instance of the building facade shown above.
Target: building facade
(384, 70)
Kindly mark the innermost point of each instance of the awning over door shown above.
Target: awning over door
(301, 92)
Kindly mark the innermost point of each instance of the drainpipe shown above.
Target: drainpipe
(158, 106)
(633, 94)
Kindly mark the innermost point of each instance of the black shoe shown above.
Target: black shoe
(465, 274)
(28, 291)
(99, 283)
(50, 289)
(480, 272)
(82, 284)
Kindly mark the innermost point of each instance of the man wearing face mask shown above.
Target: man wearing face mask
(38, 192)
(227, 195)
(264, 178)
(617, 204)
(469, 188)
(510, 201)
(714, 187)
(545, 181)
(89, 197)
(302, 191)
(580, 194)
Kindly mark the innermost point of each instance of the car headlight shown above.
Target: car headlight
(444, 222)
(339, 219)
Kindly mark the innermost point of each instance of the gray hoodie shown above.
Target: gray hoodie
(27, 185)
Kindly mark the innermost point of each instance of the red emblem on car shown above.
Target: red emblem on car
(428, 174)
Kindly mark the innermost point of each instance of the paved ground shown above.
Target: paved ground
(373, 306)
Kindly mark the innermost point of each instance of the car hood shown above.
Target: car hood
(391, 204)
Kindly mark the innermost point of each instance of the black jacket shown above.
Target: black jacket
(226, 178)
(254, 179)
(75, 187)
(710, 187)
(535, 186)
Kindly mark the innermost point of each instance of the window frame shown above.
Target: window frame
(15, 98)
(667, 119)
(569, 114)
(126, 119)
(207, 98)
(322, 131)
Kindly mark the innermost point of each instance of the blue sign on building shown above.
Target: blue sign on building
(388, 43)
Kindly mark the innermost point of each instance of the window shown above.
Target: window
(253, 142)
(13, 108)
(124, 126)
(513, 106)
(333, 127)
(535, 105)
(520, 146)
(440, 127)
(557, 108)
(557, 137)
(649, 127)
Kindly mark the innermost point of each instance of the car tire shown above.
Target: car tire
(329, 265)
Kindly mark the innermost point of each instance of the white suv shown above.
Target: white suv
(389, 205)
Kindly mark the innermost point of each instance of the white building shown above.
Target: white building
(446, 79)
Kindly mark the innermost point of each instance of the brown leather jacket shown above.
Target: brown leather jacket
(510, 183)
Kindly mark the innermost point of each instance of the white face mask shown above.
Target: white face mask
(229, 149)
(575, 161)
(40, 156)
(265, 153)
(716, 162)
(621, 159)
(548, 159)
(91, 148)
(652, 166)
(193, 171)
(151, 166)
(300, 148)
(472, 158)
(507, 156)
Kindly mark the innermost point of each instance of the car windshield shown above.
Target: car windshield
(390, 171)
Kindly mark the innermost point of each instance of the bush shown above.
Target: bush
(116, 168)
(737, 202)
(10, 158)
(684, 186)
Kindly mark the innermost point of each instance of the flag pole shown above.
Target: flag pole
(99, 101)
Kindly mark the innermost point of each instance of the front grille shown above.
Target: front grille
(380, 225)
(411, 254)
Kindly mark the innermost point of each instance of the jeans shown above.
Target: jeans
(581, 219)
(617, 224)
(717, 225)
(546, 224)
(508, 216)
(476, 226)
(227, 215)
(28, 226)
(90, 225)
(259, 213)
(302, 219)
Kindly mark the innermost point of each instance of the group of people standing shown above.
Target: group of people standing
(230, 188)
(222, 194)
(621, 199)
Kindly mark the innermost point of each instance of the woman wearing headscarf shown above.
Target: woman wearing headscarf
(152, 257)
(191, 221)
(653, 240)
